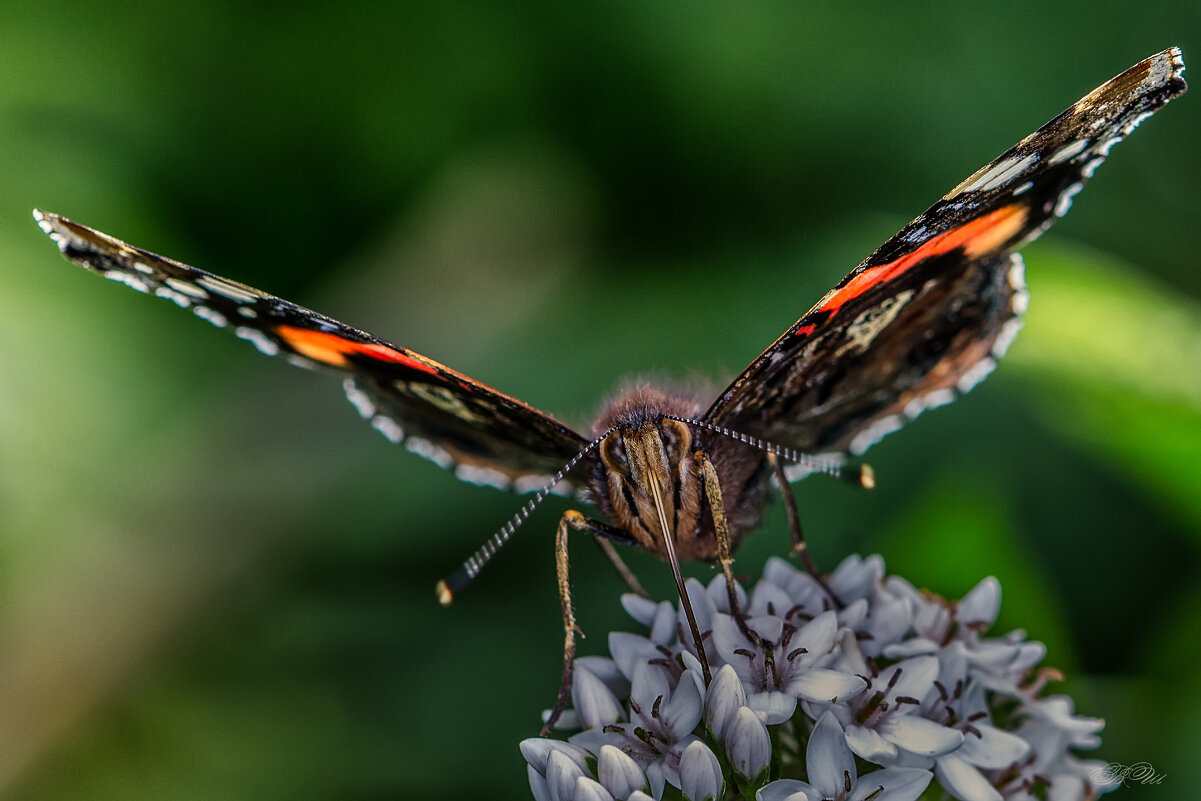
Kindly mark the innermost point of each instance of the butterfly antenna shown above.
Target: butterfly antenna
(449, 587)
(860, 475)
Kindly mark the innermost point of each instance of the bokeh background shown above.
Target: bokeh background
(216, 582)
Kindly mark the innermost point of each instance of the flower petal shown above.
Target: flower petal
(630, 650)
(1067, 788)
(816, 637)
(993, 748)
(663, 627)
(727, 639)
(899, 784)
(700, 773)
(916, 679)
(641, 609)
(748, 745)
(769, 599)
(773, 708)
(854, 577)
(828, 758)
(703, 607)
(726, 695)
(788, 790)
(537, 784)
(981, 604)
(768, 627)
(607, 671)
(868, 744)
(721, 598)
(619, 774)
(561, 773)
(682, 711)
(920, 736)
(825, 685)
(963, 781)
(587, 789)
(649, 683)
(913, 646)
(593, 701)
(537, 750)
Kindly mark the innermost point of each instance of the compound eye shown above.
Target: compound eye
(677, 439)
(613, 454)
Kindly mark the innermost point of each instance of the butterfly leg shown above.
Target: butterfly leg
(720, 527)
(799, 548)
(631, 581)
(603, 534)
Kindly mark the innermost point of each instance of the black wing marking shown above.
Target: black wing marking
(439, 413)
(927, 314)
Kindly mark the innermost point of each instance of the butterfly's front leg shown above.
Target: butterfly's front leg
(605, 535)
(799, 548)
(721, 528)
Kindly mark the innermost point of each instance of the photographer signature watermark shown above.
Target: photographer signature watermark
(1125, 775)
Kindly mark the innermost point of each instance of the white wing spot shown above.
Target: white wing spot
(976, 373)
(178, 298)
(931, 400)
(1068, 151)
(227, 289)
(428, 450)
(1065, 199)
(874, 433)
(43, 223)
(255, 337)
(1104, 147)
(389, 428)
(1091, 167)
(795, 472)
(359, 399)
(1137, 121)
(1023, 188)
(1006, 335)
(247, 312)
(531, 483)
(1017, 272)
(210, 315)
(187, 288)
(484, 476)
(143, 268)
(129, 279)
(996, 175)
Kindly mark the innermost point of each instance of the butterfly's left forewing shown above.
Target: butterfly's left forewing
(927, 314)
(486, 436)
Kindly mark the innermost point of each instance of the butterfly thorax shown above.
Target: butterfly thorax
(648, 477)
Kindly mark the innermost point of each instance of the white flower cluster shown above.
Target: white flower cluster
(810, 676)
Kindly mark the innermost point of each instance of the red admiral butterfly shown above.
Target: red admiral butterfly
(921, 320)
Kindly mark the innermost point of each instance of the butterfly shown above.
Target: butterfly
(922, 320)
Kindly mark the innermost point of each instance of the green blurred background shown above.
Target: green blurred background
(216, 582)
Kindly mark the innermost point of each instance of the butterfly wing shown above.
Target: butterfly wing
(925, 317)
(439, 413)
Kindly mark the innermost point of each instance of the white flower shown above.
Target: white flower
(779, 663)
(832, 774)
(748, 745)
(882, 721)
(700, 773)
(618, 773)
(860, 665)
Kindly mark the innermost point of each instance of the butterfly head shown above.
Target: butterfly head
(650, 480)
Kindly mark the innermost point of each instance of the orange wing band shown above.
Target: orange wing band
(331, 349)
(977, 238)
